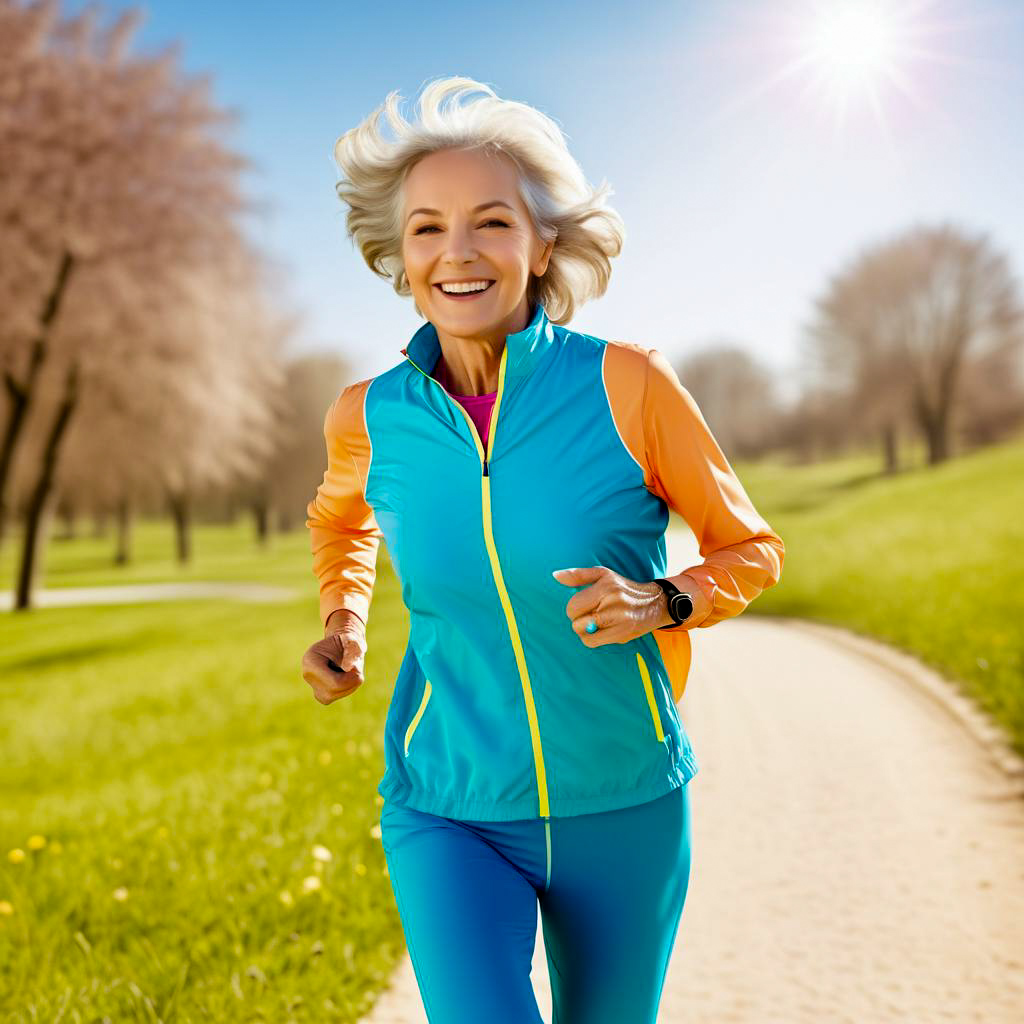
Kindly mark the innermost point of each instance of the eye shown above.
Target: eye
(428, 227)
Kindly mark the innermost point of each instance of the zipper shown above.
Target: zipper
(499, 581)
(649, 690)
(416, 718)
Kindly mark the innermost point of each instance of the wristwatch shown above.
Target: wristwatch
(680, 604)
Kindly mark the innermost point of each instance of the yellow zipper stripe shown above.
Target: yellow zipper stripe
(531, 711)
(513, 629)
(649, 690)
(416, 718)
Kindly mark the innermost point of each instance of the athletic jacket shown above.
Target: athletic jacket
(499, 710)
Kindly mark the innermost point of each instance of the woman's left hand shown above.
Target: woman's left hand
(622, 608)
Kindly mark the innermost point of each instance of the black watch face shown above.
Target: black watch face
(682, 607)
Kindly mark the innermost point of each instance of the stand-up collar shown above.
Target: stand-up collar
(524, 347)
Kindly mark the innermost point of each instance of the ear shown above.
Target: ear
(541, 266)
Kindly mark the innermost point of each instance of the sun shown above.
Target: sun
(854, 43)
(854, 48)
(851, 57)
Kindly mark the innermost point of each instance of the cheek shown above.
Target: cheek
(415, 268)
(511, 257)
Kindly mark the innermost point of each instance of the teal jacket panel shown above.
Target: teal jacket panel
(499, 711)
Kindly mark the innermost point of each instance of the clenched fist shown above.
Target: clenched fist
(333, 667)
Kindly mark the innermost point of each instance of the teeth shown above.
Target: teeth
(466, 286)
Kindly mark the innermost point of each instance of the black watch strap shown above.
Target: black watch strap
(680, 605)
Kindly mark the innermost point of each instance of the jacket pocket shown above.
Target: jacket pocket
(416, 718)
(651, 702)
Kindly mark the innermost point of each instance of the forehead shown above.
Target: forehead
(451, 178)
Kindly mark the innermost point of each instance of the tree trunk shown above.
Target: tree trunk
(937, 436)
(44, 484)
(20, 393)
(934, 423)
(180, 514)
(123, 551)
(261, 511)
(66, 511)
(891, 449)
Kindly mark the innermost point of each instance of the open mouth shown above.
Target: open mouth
(464, 295)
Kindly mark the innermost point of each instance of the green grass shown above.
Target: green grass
(174, 751)
(171, 752)
(931, 560)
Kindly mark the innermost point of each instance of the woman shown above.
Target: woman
(521, 474)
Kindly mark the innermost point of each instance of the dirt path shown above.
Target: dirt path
(858, 857)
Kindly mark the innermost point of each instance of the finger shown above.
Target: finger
(596, 616)
(576, 577)
(584, 601)
(353, 656)
(347, 652)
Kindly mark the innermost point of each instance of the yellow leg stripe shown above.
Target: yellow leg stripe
(649, 690)
(547, 832)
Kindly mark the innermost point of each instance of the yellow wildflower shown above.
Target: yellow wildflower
(310, 883)
(16, 856)
(36, 842)
(6, 907)
(324, 757)
(120, 893)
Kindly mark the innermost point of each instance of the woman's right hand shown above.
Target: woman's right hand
(344, 648)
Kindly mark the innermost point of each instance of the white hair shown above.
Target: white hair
(552, 186)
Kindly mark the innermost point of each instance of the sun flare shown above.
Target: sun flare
(850, 58)
(857, 55)
(853, 43)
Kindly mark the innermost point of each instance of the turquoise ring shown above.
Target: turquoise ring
(591, 626)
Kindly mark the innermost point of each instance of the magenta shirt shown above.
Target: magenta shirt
(478, 406)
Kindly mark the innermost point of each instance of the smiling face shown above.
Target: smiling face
(465, 222)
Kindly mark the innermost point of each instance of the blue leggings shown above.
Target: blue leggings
(467, 893)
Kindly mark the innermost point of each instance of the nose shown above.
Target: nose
(460, 248)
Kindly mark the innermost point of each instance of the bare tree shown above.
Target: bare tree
(314, 381)
(907, 320)
(737, 396)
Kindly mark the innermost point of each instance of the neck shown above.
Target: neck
(470, 364)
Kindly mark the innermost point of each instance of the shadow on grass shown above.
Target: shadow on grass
(818, 495)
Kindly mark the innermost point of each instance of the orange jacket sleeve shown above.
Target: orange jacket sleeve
(344, 534)
(742, 554)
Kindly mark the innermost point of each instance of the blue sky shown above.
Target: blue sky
(740, 191)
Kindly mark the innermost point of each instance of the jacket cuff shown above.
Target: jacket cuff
(692, 584)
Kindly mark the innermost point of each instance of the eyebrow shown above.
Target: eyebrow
(476, 209)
